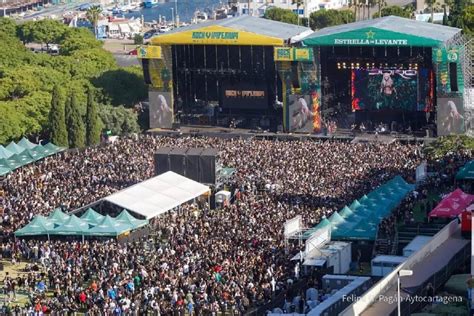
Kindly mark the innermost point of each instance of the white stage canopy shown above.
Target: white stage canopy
(158, 195)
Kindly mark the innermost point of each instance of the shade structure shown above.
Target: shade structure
(158, 195)
(127, 219)
(466, 172)
(92, 217)
(109, 227)
(5, 153)
(335, 218)
(14, 162)
(25, 143)
(40, 225)
(323, 223)
(15, 148)
(58, 216)
(346, 211)
(452, 205)
(72, 226)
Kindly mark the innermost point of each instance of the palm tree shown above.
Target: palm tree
(353, 4)
(298, 5)
(93, 14)
(370, 5)
(431, 5)
(381, 4)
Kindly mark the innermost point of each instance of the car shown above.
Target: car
(164, 28)
(149, 34)
(133, 52)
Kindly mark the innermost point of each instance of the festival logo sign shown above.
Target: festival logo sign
(149, 52)
(293, 54)
(371, 40)
(215, 35)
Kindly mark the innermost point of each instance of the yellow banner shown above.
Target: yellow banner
(216, 35)
(149, 52)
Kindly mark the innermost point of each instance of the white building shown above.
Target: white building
(258, 7)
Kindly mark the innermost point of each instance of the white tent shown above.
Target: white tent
(158, 195)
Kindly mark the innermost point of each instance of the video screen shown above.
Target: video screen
(245, 95)
(380, 89)
(161, 109)
(451, 116)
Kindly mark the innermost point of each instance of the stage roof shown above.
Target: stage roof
(158, 195)
(242, 30)
(385, 31)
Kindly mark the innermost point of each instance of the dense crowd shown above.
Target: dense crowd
(197, 259)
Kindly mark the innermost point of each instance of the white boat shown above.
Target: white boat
(199, 17)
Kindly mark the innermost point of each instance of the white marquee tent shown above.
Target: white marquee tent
(158, 195)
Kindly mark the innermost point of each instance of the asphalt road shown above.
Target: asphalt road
(57, 10)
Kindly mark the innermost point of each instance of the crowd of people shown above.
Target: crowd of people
(197, 259)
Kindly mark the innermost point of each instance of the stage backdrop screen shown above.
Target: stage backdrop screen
(245, 95)
(380, 89)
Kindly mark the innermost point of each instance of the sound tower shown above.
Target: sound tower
(162, 161)
(146, 70)
(192, 163)
(207, 166)
(178, 160)
(453, 77)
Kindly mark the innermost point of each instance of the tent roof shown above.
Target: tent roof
(263, 31)
(58, 216)
(125, 218)
(14, 148)
(158, 195)
(415, 33)
(335, 218)
(5, 153)
(465, 173)
(92, 217)
(40, 225)
(72, 226)
(453, 204)
(109, 227)
(25, 143)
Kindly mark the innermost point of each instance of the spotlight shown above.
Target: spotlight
(357, 66)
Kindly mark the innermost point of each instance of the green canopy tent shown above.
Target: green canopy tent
(127, 219)
(52, 148)
(109, 227)
(40, 225)
(73, 226)
(58, 216)
(14, 162)
(466, 172)
(14, 148)
(24, 158)
(5, 153)
(335, 218)
(346, 211)
(35, 154)
(92, 217)
(4, 167)
(25, 143)
(323, 223)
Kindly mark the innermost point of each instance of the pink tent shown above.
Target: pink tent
(453, 204)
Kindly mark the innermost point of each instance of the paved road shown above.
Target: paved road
(57, 10)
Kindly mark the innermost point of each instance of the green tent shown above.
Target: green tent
(5, 153)
(25, 143)
(335, 218)
(58, 216)
(14, 148)
(127, 219)
(109, 227)
(14, 162)
(40, 225)
(72, 226)
(35, 154)
(24, 158)
(466, 172)
(52, 148)
(323, 223)
(92, 217)
(4, 170)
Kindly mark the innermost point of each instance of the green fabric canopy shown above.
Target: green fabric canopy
(109, 227)
(14, 148)
(25, 143)
(466, 172)
(335, 218)
(5, 153)
(40, 225)
(92, 217)
(127, 219)
(72, 226)
(58, 216)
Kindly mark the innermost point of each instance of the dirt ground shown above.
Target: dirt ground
(117, 46)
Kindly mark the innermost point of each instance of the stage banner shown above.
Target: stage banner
(446, 61)
(215, 35)
(149, 52)
(161, 90)
(293, 54)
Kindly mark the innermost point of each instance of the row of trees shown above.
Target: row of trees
(83, 69)
(461, 13)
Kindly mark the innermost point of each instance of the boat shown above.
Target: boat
(199, 17)
(150, 3)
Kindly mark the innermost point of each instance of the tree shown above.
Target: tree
(25, 32)
(324, 18)
(75, 124)
(93, 126)
(76, 39)
(93, 15)
(8, 26)
(119, 119)
(394, 10)
(138, 39)
(445, 16)
(298, 5)
(57, 120)
(431, 5)
(48, 31)
(467, 19)
(282, 15)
